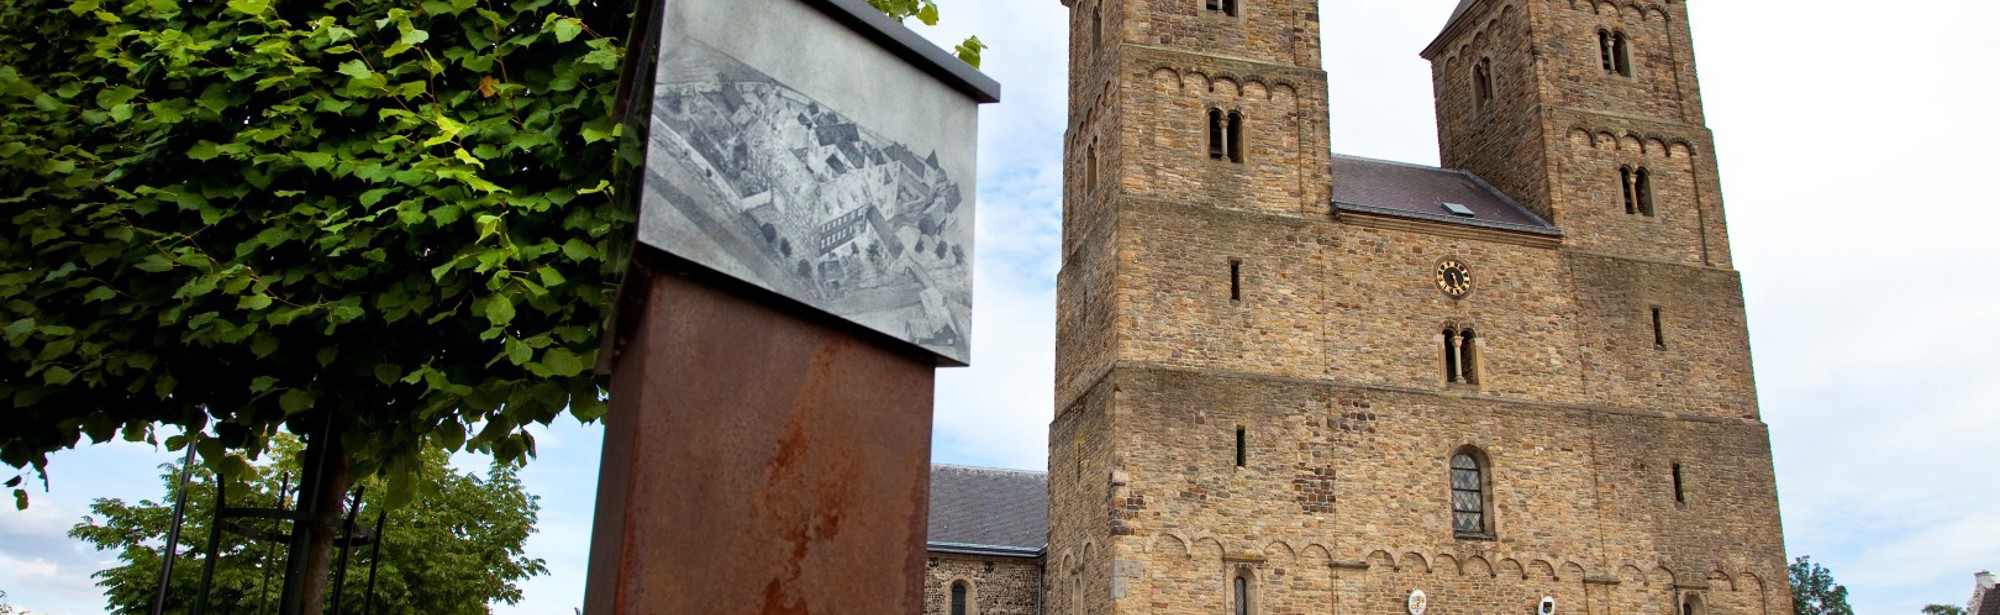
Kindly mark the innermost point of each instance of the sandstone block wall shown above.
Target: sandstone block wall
(1328, 357)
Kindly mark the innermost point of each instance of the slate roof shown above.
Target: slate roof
(1456, 13)
(989, 511)
(1990, 605)
(1416, 191)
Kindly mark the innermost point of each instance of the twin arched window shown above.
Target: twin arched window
(1616, 51)
(1469, 496)
(1461, 356)
(1637, 183)
(1225, 135)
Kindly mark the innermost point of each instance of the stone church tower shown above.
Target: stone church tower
(1290, 382)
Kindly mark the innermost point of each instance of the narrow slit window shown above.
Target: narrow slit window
(1090, 168)
(1642, 190)
(1451, 373)
(1235, 280)
(958, 592)
(1242, 452)
(1097, 27)
(1242, 595)
(1229, 7)
(1235, 137)
(1680, 487)
(1660, 342)
(1482, 85)
(1215, 134)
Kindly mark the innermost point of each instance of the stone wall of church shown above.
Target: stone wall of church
(994, 585)
(1560, 127)
(1583, 508)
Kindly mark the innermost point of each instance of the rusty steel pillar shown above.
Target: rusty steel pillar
(759, 456)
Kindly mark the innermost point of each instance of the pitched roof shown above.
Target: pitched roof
(1463, 6)
(1423, 192)
(989, 511)
(1990, 605)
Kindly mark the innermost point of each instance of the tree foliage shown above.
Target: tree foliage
(1814, 591)
(926, 11)
(457, 549)
(1943, 609)
(234, 217)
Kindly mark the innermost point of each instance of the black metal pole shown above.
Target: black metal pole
(174, 532)
(263, 590)
(374, 562)
(214, 544)
(347, 530)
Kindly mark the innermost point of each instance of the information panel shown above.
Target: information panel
(817, 149)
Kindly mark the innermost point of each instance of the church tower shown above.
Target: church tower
(1289, 381)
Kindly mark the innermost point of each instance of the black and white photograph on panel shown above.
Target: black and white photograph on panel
(814, 167)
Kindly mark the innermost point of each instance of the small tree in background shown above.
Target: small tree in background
(1814, 592)
(456, 549)
(1943, 609)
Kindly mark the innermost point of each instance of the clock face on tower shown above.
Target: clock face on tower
(1454, 278)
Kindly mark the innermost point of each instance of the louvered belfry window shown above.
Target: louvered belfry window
(1468, 501)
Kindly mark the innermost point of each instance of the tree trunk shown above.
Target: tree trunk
(321, 498)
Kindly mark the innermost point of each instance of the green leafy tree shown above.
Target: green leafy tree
(1814, 592)
(386, 225)
(456, 549)
(1943, 609)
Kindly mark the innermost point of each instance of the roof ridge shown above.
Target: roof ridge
(1410, 165)
(989, 469)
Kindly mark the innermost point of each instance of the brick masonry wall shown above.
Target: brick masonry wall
(994, 585)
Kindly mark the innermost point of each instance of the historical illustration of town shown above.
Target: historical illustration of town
(754, 179)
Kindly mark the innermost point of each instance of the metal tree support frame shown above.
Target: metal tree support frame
(224, 520)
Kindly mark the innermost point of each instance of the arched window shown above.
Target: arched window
(1240, 594)
(1097, 27)
(1691, 604)
(958, 591)
(1482, 84)
(1235, 137)
(1090, 168)
(1468, 357)
(1468, 494)
(1642, 190)
(1615, 50)
(1216, 133)
(1625, 187)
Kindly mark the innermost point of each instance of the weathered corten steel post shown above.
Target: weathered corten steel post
(803, 267)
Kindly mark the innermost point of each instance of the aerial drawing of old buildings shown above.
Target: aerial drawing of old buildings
(757, 180)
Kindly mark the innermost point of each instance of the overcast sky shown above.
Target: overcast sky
(1848, 133)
